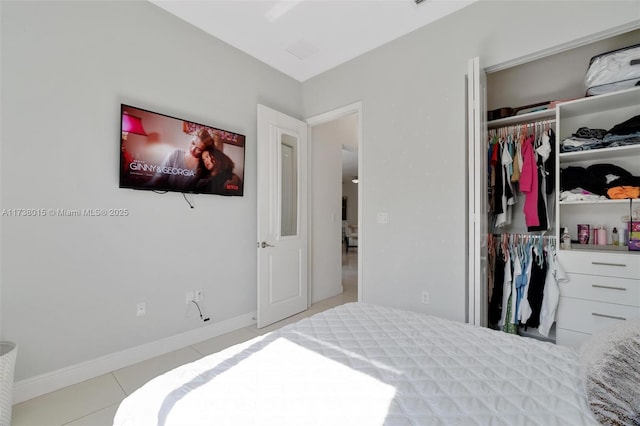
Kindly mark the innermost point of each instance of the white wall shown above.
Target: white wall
(414, 136)
(70, 284)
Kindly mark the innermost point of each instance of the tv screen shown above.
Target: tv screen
(163, 153)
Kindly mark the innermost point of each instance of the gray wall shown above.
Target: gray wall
(414, 162)
(70, 284)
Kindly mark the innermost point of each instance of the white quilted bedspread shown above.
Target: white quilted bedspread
(361, 364)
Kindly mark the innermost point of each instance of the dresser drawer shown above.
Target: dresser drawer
(587, 316)
(621, 265)
(573, 339)
(603, 289)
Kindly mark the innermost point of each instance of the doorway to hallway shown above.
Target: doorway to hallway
(331, 135)
(350, 272)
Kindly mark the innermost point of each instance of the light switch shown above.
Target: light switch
(383, 217)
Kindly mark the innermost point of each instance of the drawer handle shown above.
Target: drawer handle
(595, 314)
(608, 287)
(608, 264)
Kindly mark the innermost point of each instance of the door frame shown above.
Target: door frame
(354, 108)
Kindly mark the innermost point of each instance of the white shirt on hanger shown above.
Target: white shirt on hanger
(551, 294)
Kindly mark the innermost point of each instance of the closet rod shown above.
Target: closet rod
(525, 235)
(524, 124)
(550, 121)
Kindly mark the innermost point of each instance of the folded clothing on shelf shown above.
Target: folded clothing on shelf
(598, 179)
(585, 138)
(623, 192)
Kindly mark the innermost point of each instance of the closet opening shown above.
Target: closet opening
(521, 156)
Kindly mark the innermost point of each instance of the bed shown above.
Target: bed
(363, 364)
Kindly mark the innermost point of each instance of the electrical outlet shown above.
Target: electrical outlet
(189, 297)
(382, 217)
(198, 295)
(425, 297)
(141, 309)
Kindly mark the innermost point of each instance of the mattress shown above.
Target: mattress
(363, 364)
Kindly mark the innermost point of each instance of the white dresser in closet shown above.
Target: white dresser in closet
(602, 290)
(603, 287)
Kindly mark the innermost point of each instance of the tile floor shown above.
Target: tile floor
(94, 402)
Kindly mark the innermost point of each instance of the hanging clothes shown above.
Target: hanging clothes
(524, 289)
(497, 180)
(529, 183)
(517, 171)
(507, 291)
(507, 199)
(546, 182)
(522, 160)
(521, 169)
(494, 179)
(509, 191)
(550, 164)
(524, 310)
(495, 300)
(535, 291)
(522, 283)
(551, 295)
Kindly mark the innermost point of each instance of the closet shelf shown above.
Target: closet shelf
(608, 101)
(522, 118)
(587, 202)
(575, 246)
(599, 154)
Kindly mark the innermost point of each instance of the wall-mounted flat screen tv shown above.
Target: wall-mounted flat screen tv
(163, 153)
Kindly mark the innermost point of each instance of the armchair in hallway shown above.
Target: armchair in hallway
(350, 233)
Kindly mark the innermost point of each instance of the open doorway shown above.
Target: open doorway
(350, 225)
(336, 231)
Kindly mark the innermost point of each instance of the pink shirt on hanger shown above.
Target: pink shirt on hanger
(529, 183)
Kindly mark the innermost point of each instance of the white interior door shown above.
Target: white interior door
(282, 216)
(477, 189)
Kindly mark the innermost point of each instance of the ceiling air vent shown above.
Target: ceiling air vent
(302, 49)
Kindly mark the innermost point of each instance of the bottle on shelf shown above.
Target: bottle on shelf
(602, 235)
(566, 239)
(622, 235)
(614, 236)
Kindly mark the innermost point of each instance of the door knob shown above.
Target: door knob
(265, 244)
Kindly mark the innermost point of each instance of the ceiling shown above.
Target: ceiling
(303, 38)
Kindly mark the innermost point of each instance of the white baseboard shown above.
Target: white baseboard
(33, 387)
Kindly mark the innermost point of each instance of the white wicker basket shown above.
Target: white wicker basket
(8, 351)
